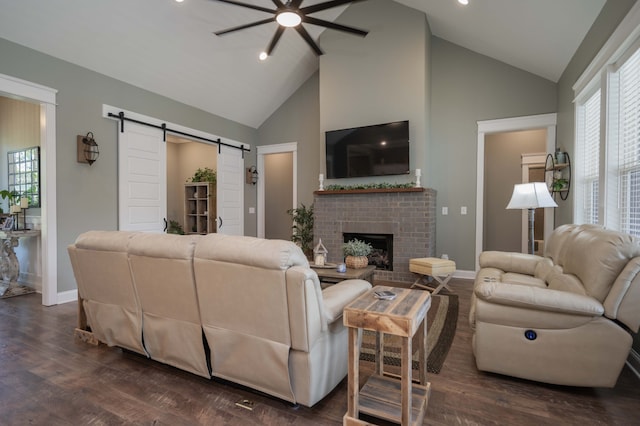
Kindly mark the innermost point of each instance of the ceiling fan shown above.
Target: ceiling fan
(291, 15)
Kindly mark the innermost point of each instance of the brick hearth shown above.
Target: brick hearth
(409, 215)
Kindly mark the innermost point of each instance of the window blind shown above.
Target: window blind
(629, 145)
(588, 135)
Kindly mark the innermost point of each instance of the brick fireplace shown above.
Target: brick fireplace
(409, 215)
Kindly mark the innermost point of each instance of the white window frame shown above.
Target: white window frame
(621, 45)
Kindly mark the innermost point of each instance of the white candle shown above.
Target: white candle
(24, 202)
(15, 208)
(418, 171)
(321, 176)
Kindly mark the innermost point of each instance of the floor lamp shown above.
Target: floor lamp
(531, 196)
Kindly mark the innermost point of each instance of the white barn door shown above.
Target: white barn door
(142, 179)
(230, 191)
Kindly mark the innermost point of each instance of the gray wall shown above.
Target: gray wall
(503, 158)
(298, 120)
(468, 87)
(87, 196)
(379, 79)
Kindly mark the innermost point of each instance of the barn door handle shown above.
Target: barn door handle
(165, 224)
(220, 219)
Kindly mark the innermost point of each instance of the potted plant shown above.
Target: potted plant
(303, 228)
(13, 197)
(356, 253)
(205, 175)
(559, 184)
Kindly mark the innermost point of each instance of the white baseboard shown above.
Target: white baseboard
(67, 296)
(468, 275)
(633, 361)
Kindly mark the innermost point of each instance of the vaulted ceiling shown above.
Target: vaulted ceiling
(169, 48)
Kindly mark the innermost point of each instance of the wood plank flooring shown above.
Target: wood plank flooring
(49, 378)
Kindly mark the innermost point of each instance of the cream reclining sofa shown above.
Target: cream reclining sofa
(565, 318)
(265, 320)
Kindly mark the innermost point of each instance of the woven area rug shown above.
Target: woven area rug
(442, 320)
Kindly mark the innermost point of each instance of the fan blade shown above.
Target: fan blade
(334, 26)
(305, 35)
(242, 27)
(326, 5)
(278, 4)
(275, 39)
(247, 5)
(295, 4)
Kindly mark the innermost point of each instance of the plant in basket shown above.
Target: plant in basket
(356, 253)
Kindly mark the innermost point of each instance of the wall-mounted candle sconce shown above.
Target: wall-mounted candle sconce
(252, 175)
(87, 149)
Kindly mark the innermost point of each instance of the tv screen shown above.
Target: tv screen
(378, 150)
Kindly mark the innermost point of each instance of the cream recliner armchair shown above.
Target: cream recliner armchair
(565, 318)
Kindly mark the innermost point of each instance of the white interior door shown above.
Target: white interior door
(142, 180)
(230, 191)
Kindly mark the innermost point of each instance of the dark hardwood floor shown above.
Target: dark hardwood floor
(49, 378)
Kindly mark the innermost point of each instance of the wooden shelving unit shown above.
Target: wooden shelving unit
(199, 208)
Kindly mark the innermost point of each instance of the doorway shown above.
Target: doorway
(545, 121)
(507, 156)
(277, 171)
(46, 98)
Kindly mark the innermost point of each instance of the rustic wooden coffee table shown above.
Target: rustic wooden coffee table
(386, 397)
(332, 276)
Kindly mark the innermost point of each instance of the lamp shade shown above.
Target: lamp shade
(531, 196)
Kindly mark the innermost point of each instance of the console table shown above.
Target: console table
(385, 397)
(9, 265)
(332, 276)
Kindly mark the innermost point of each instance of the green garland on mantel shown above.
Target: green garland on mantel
(383, 185)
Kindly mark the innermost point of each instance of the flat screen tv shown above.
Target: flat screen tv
(378, 150)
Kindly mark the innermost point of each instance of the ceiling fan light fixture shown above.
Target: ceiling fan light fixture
(288, 19)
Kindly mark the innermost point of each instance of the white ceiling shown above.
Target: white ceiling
(169, 48)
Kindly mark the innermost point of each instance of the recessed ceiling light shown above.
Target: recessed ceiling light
(263, 55)
(463, 2)
(288, 19)
(179, 1)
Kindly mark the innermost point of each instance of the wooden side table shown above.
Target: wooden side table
(385, 397)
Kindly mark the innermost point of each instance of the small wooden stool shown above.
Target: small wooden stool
(432, 267)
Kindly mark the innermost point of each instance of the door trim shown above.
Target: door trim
(274, 149)
(46, 97)
(486, 127)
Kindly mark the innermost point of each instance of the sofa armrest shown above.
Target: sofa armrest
(337, 296)
(541, 299)
(510, 262)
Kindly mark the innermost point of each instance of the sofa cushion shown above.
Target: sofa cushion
(597, 256)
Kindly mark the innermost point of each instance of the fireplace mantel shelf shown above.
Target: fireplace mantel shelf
(367, 191)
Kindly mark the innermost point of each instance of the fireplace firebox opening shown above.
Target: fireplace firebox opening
(382, 254)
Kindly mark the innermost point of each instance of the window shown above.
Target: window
(627, 139)
(587, 158)
(607, 150)
(24, 174)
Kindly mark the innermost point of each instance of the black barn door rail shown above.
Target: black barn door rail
(120, 116)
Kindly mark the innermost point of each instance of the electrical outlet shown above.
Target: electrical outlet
(445, 211)
(463, 210)
(252, 210)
